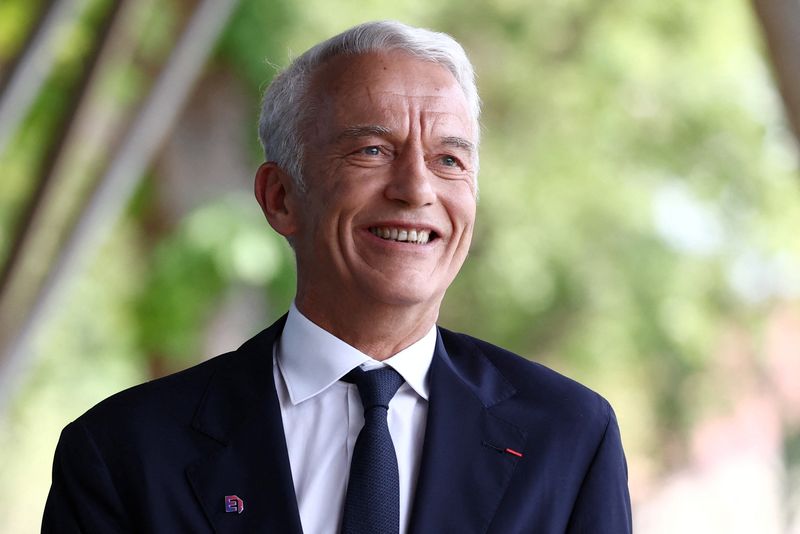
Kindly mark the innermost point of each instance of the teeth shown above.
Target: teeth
(419, 237)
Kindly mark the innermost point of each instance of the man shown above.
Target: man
(371, 174)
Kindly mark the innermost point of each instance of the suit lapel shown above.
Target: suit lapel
(464, 470)
(240, 410)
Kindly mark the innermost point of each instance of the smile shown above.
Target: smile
(419, 237)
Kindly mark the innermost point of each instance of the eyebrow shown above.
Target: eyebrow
(458, 142)
(369, 130)
(374, 130)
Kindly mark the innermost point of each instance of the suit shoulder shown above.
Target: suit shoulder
(542, 389)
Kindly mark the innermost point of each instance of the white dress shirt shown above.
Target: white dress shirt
(322, 416)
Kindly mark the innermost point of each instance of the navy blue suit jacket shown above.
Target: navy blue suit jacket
(161, 457)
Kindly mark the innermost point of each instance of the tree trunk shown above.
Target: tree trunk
(780, 23)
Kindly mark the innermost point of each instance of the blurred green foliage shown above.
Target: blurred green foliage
(639, 193)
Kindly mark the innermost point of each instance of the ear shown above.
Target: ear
(275, 192)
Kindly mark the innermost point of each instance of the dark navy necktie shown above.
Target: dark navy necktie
(372, 504)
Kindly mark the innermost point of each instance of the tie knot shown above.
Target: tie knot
(376, 387)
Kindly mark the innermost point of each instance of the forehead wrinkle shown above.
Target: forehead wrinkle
(448, 129)
(415, 115)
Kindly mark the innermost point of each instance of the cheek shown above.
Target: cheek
(354, 192)
(462, 209)
(334, 209)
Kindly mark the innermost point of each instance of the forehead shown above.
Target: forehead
(388, 86)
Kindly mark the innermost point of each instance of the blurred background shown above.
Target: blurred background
(639, 220)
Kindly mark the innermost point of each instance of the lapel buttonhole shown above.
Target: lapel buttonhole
(504, 450)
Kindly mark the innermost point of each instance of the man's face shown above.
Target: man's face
(389, 168)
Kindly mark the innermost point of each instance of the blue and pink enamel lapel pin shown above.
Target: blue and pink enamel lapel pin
(233, 504)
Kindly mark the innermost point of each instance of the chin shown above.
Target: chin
(405, 294)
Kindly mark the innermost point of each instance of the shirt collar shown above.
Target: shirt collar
(311, 359)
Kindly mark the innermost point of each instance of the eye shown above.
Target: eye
(371, 151)
(449, 161)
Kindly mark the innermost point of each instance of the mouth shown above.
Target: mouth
(416, 236)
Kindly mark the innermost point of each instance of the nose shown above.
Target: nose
(411, 180)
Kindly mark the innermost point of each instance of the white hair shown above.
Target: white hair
(285, 106)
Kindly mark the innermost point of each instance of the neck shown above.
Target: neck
(380, 331)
